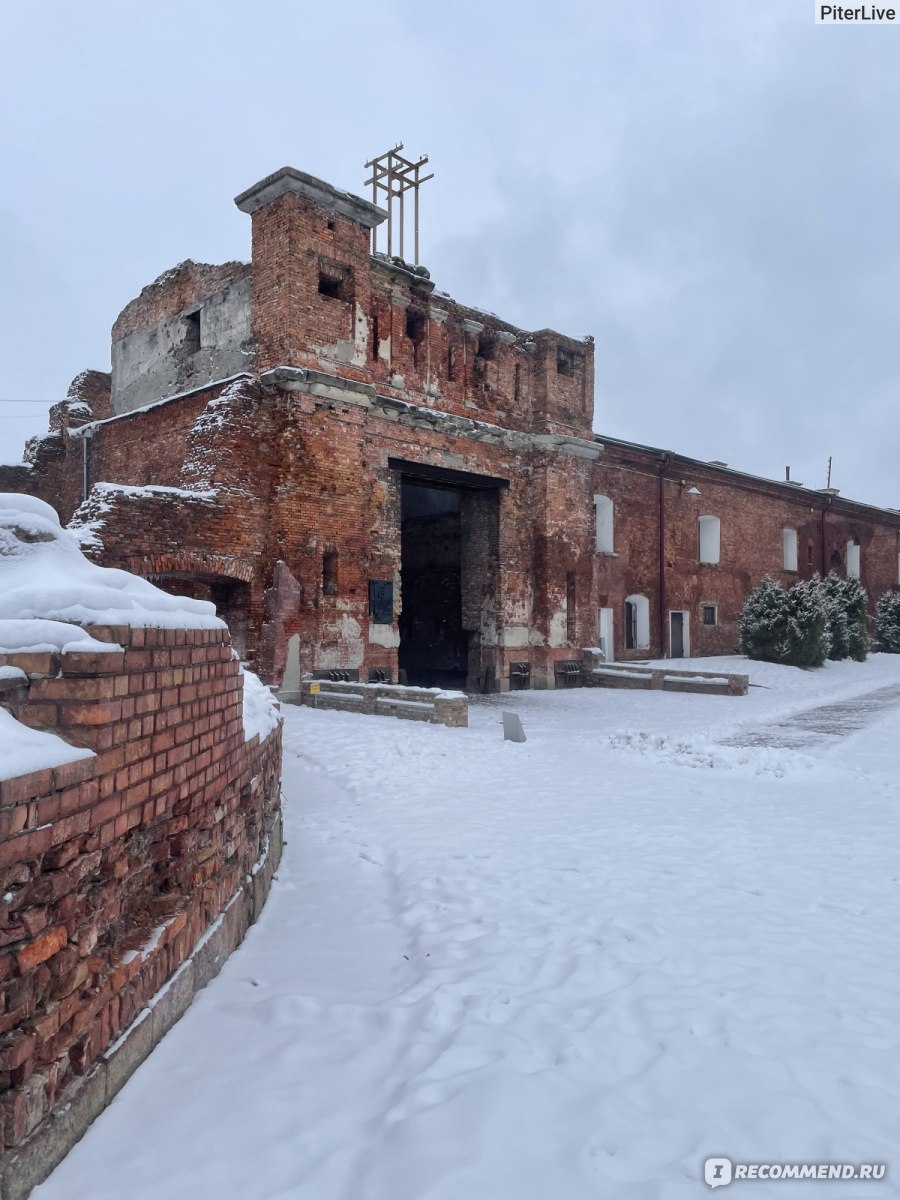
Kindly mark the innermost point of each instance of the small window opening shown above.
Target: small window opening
(335, 282)
(329, 224)
(415, 331)
(375, 337)
(329, 573)
(192, 332)
(517, 383)
(486, 347)
(565, 361)
(710, 614)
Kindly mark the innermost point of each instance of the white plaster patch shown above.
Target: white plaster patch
(291, 680)
(514, 636)
(384, 635)
(558, 625)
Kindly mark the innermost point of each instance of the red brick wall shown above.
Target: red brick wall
(111, 868)
(753, 515)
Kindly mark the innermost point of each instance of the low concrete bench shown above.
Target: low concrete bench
(384, 699)
(597, 673)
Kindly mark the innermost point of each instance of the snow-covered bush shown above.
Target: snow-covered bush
(763, 623)
(847, 607)
(887, 623)
(856, 606)
(808, 623)
(786, 626)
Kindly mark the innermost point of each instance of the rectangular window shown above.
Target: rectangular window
(789, 537)
(603, 516)
(710, 539)
(335, 281)
(192, 332)
(381, 601)
(710, 614)
(853, 559)
(565, 362)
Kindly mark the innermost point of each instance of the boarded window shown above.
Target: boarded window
(603, 516)
(709, 530)
(789, 537)
(853, 559)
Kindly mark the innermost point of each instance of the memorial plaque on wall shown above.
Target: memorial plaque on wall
(381, 601)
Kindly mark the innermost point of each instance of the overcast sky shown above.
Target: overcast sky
(710, 189)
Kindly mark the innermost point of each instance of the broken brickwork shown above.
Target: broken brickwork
(112, 868)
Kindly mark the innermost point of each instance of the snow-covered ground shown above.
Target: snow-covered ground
(568, 969)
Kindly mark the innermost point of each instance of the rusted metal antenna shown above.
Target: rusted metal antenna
(395, 176)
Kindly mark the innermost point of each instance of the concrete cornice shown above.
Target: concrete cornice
(330, 389)
(289, 181)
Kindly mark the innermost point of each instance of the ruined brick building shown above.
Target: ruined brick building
(370, 477)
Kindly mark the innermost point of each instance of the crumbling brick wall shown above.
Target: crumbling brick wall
(113, 867)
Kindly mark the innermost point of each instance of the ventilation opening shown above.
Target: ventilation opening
(519, 676)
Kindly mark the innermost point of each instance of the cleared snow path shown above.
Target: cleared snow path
(571, 968)
(814, 726)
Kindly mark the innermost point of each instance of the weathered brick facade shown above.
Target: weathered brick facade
(112, 868)
(351, 421)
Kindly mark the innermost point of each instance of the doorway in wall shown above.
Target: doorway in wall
(679, 635)
(449, 576)
(433, 643)
(606, 634)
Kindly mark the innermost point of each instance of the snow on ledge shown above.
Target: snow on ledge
(24, 750)
(45, 577)
(155, 489)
